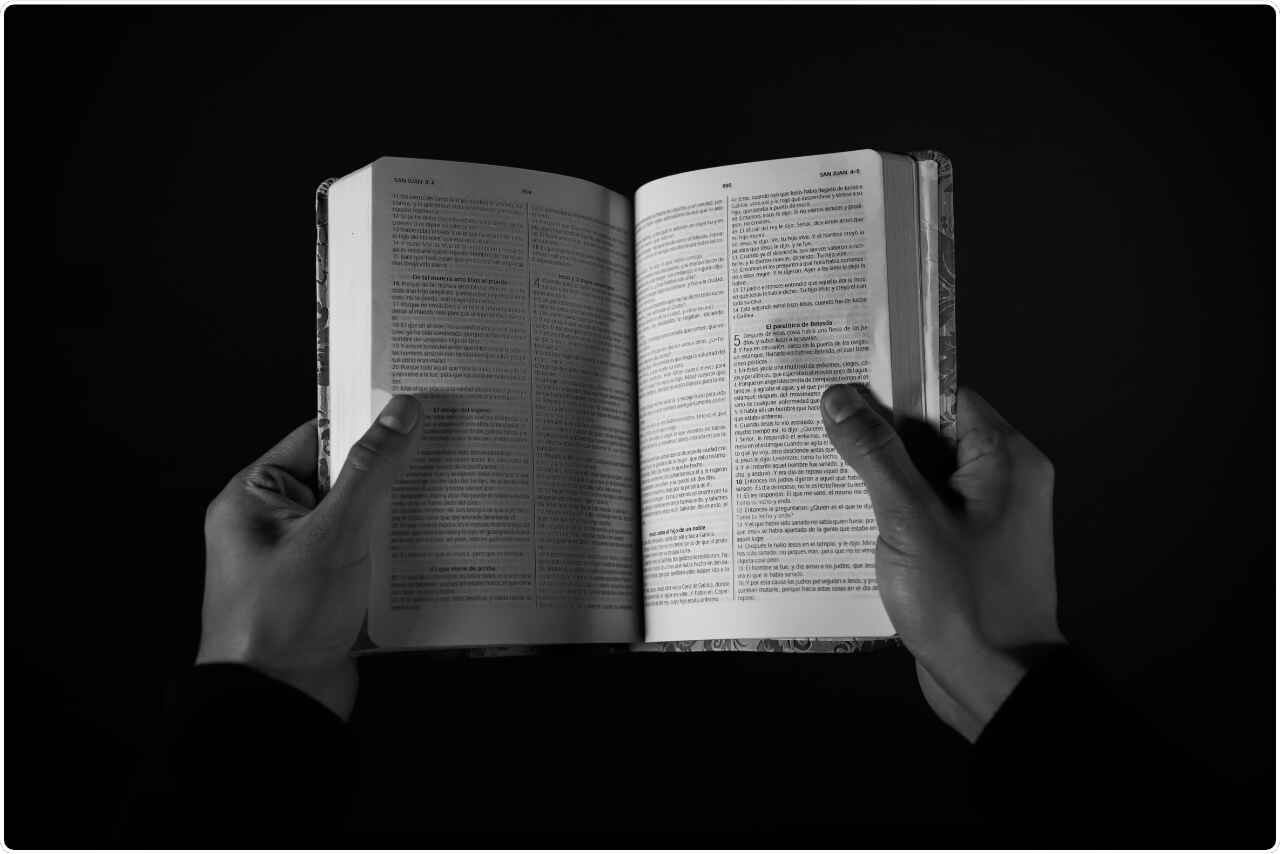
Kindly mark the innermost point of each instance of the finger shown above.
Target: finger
(275, 481)
(279, 476)
(295, 453)
(974, 413)
(870, 445)
(280, 490)
(984, 468)
(993, 457)
(374, 462)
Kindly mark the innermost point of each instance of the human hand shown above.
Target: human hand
(967, 578)
(287, 579)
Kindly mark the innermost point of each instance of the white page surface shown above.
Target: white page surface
(758, 285)
(503, 298)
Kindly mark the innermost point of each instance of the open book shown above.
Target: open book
(622, 439)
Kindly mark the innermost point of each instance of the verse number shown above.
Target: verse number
(737, 339)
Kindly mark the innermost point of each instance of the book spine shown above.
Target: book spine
(944, 231)
(322, 335)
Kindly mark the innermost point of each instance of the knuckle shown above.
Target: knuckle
(986, 442)
(258, 474)
(1033, 465)
(315, 536)
(897, 523)
(1038, 464)
(215, 511)
(364, 454)
(894, 554)
(870, 434)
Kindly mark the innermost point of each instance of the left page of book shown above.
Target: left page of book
(503, 298)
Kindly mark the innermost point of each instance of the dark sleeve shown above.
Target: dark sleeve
(240, 759)
(1066, 756)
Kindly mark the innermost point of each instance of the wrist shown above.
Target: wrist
(332, 685)
(988, 677)
(977, 675)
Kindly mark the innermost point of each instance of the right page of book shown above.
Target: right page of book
(757, 286)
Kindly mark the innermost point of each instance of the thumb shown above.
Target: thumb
(870, 445)
(374, 462)
(984, 465)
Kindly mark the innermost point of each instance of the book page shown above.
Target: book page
(757, 286)
(504, 299)
(928, 188)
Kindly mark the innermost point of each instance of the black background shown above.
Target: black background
(1115, 207)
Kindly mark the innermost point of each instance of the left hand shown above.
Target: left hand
(287, 579)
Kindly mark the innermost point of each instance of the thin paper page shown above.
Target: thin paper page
(503, 298)
(928, 171)
(757, 286)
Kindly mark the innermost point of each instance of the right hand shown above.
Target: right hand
(968, 585)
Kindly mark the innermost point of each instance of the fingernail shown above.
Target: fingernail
(400, 413)
(840, 402)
